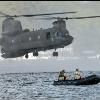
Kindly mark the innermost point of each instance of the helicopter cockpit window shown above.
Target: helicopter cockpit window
(48, 35)
(59, 34)
(38, 37)
(56, 33)
(13, 41)
(30, 38)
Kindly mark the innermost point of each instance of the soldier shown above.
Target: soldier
(77, 74)
(62, 75)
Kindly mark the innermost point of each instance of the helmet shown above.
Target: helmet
(63, 70)
(77, 69)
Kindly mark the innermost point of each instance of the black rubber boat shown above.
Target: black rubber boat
(90, 80)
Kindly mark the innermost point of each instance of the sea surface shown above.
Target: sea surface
(39, 86)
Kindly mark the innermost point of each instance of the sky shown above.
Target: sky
(84, 52)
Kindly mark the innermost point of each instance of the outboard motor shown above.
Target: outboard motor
(11, 27)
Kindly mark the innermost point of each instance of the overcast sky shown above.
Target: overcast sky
(84, 52)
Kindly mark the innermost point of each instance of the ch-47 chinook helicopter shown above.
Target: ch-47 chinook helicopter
(16, 42)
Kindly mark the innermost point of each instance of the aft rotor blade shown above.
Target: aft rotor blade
(43, 14)
(33, 15)
(4, 14)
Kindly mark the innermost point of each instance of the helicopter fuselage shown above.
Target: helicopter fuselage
(41, 40)
(16, 42)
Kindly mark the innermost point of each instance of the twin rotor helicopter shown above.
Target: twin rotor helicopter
(16, 42)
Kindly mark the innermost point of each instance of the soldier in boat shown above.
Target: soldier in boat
(78, 74)
(63, 75)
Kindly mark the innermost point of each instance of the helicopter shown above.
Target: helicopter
(16, 42)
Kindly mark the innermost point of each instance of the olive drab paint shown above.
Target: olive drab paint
(17, 42)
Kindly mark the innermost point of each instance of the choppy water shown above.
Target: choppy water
(38, 86)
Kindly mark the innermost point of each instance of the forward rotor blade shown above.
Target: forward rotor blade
(47, 18)
(83, 17)
(67, 18)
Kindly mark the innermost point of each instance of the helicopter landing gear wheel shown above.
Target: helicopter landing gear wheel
(26, 55)
(3, 51)
(35, 53)
(55, 54)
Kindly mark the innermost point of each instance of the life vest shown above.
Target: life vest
(62, 76)
(77, 75)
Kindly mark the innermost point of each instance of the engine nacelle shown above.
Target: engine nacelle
(11, 26)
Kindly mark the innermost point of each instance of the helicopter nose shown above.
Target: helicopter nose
(69, 39)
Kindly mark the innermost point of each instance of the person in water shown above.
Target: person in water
(78, 74)
(63, 76)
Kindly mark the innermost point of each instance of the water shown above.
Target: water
(38, 86)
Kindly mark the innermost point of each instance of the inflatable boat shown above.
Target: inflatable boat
(90, 80)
